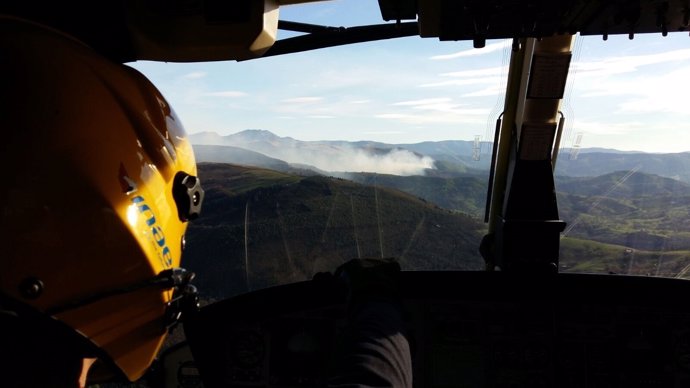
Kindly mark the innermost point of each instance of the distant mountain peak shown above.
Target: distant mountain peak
(256, 135)
(257, 132)
(206, 133)
(238, 138)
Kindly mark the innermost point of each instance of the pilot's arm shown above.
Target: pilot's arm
(374, 351)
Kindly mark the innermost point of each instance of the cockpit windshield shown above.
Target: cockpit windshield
(383, 149)
(622, 172)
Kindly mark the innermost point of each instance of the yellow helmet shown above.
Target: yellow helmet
(99, 181)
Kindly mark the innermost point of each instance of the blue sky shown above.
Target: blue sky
(629, 95)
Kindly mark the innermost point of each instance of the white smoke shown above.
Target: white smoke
(329, 157)
(347, 159)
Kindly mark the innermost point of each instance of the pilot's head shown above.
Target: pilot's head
(98, 184)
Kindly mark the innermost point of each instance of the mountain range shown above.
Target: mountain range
(450, 158)
(626, 212)
(262, 227)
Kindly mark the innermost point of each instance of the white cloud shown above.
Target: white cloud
(392, 116)
(495, 90)
(321, 117)
(474, 52)
(195, 75)
(314, 107)
(302, 100)
(627, 64)
(439, 115)
(488, 71)
(602, 128)
(463, 82)
(441, 104)
(227, 93)
(664, 93)
(424, 101)
(451, 108)
(487, 76)
(644, 93)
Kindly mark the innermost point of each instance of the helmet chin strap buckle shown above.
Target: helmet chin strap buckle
(185, 299)
(188, 196)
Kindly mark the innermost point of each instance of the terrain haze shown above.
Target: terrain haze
(268, 221)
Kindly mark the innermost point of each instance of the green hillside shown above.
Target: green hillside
(261, 227)
(466, 194)
(639, 211)
(297, 226)
(236, 155)
(623, 184)
(593, 257)
(676, 165)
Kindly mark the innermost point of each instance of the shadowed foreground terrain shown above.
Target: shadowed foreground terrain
(261, 228)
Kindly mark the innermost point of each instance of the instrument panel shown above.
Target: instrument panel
(465, 330)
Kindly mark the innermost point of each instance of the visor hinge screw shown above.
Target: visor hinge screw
(31, 288)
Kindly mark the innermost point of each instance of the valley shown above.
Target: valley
(266, 221)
